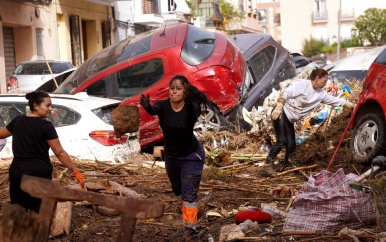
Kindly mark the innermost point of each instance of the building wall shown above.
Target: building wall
(91, 16)
(24, 18)
(297, 22)
(271, 24)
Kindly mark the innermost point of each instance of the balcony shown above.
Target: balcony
(347, 15)
(149, 19)
(320, 16)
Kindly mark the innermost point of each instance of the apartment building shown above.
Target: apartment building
(301, 19)
(270, 18)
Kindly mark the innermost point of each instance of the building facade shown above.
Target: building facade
(59, 29)
(301, 19)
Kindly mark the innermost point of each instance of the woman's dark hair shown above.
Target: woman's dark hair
(191, 93)
(318, 72)
(35, 97)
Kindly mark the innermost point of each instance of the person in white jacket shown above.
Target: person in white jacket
(298, 99)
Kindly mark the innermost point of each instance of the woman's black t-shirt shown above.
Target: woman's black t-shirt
(29, 138)
(177, 127)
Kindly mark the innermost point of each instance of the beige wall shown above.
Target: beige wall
(54, 20)
(23, 19)
(92, 14)
(297, 24)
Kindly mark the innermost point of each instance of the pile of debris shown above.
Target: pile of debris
(313, 132)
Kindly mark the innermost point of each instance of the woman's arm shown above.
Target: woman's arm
(65, 159)
(62, 155)
(4, 133)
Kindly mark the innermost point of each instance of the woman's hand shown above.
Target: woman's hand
(145, 100)
(276, 113)
(79, 177)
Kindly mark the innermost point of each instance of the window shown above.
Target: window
(62, 116)
(9, 111)
(39, 43)
(198, 46)
(381, 59)
(320, 5)
(262, 63)
(139, 77)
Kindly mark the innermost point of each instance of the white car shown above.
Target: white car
(83, 124)
(30, 75)
(353, 67)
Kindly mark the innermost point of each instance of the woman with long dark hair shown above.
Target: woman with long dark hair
(184, 155)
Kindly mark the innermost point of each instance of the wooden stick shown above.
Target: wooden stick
(115, 166)
(246, 239)
(105, 175)
(237, 165)
(5, 178)
(49, 68)
(297, 169)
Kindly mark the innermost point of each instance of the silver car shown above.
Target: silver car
(30, 75)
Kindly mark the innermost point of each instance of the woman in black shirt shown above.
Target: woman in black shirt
(184, 155)
(32, 136)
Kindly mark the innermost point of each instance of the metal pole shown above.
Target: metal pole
(338, 46)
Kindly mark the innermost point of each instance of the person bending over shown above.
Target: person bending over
(297, 100)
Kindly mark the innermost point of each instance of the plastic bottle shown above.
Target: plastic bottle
(246, 225)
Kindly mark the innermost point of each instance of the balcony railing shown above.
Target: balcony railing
(319, 16)
(347, 15)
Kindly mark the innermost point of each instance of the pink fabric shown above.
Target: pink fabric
(326, 201)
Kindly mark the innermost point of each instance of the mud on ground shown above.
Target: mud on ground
(223, 190)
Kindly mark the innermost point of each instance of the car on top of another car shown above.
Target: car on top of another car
(232, 72)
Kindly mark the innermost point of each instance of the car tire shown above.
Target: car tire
(210, 119)
(368, 138)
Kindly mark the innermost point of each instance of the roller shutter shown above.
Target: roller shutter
(9, 50)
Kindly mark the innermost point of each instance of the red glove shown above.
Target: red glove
(79, 177)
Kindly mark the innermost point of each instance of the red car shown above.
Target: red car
(146, 62)
(369, 135)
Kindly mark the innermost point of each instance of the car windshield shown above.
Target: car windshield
(349, 75)
(41, 68)
(119, 52)
(198, 46)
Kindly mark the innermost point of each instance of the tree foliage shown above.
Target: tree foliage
(312, 46)
(228, 10)
(371, 26)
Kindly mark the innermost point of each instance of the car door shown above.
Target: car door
(128, 80)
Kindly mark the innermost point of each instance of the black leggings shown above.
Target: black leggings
(285, 137)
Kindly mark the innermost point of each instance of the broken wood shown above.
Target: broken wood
(297, 169)
(105, 175)
(115, 167)
(51, 193)
(5, 178)
(237, 165)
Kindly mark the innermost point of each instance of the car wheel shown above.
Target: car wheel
(209, 120)
(368, 138)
